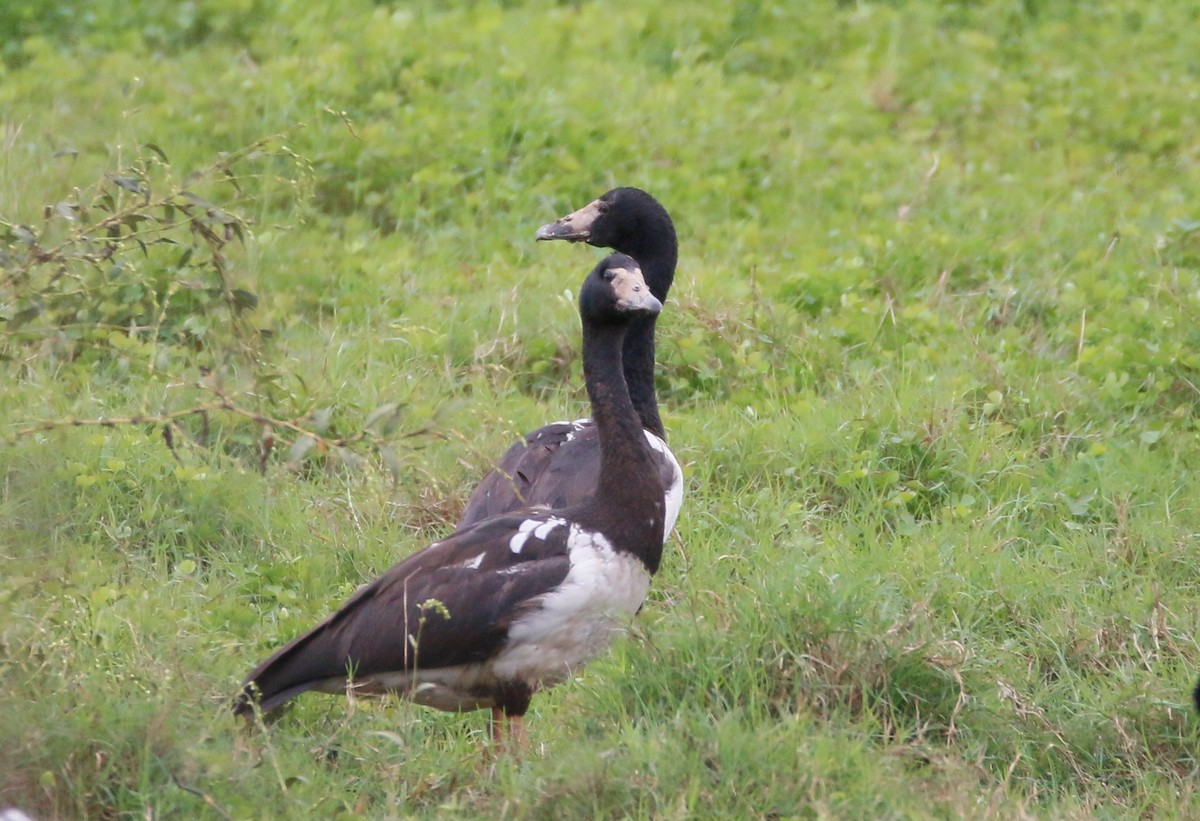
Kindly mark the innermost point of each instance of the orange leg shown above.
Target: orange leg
(508, 732)
(497, 726)
(517, 737)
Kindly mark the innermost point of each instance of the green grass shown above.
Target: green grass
(931, 364)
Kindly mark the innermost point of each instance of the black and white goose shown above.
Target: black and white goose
(558, 465)
(516, 602)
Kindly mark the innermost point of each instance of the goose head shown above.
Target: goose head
(616, 292)
(627, 220)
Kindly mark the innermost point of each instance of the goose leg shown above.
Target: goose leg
(508, 719)
(497, 726)
(517, 737)
(508, 733)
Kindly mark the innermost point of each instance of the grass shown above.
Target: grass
(930, 363)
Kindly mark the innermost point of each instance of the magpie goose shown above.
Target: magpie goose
(512, 603)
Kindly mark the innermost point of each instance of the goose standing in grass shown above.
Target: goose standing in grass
(558, 465)
(515, 602)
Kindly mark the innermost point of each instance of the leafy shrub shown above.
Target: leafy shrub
(135, 262)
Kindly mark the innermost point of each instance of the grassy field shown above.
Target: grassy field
(930, 363)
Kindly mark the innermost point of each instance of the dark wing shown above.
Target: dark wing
(449, 604)
(556, 467)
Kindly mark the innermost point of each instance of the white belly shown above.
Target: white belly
(580, 618)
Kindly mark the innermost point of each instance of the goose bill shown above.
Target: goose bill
(574, 227)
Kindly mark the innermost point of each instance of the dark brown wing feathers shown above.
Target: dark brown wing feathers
(555, 466)
(473, 577)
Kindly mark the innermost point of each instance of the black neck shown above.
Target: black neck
(628, 503)
(639, 358)
(657, 253)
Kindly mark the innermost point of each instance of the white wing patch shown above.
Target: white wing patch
(543, 530)
(674, 493)
(517, 542)
(574, 426)
(537, 528)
